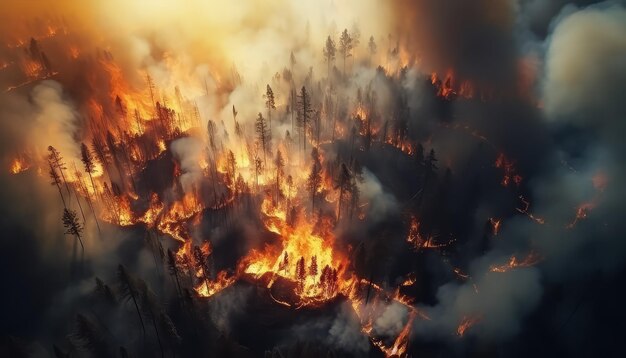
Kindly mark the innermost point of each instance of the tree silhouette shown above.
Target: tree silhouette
(330, 51)
(258, 168)
(262, 134)
(345, 47)
(231, 167)
(292, 60)
(356, 35)
(55, 158)
(371, 45)
(313, 266)
(105, 292)
(270, 103)
(235, 115)
(211, 133)
(300, 273)
(151, 310)
(129, 291)
(101, 152)
(284, 263)
(173, 269)
(87, 160)
(56, 180)
(305, 110)
(314, 180)
(344, 184)
(201, 264)
(88, 336)
(72, 225)
(279, 162)
(82, 186)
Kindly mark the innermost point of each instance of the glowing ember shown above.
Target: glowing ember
(495, 225)
(510, 173)
(524, 210)
(466, 323)
(581, 213)
(514, 262)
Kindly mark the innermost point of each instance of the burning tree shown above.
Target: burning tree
(300, 273)
(284, 263)
(313, 267)
(200, 256)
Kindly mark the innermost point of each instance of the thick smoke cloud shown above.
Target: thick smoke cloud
(581, 41)
(584, 77)
(188, 152)
(475, 39)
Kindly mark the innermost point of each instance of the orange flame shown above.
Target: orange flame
(466, 323)
(19, 165)
(532, 259)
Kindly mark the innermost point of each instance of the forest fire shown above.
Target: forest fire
(448, 88)
(130, 129)
(299, 180)
(305, 258)
(19, 165)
